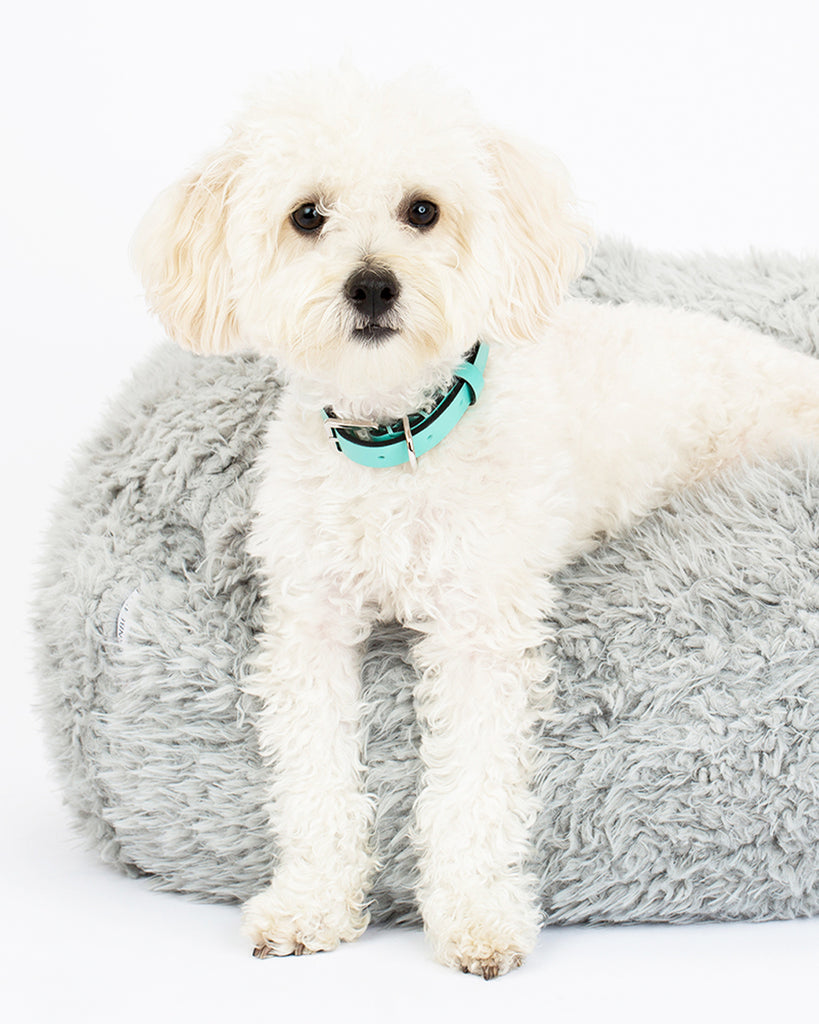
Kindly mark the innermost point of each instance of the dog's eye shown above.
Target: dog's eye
(307, 217)
(422, 213)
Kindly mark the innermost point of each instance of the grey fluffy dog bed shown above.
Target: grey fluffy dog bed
(679, 775)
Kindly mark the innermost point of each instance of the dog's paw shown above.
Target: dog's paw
(477, 938)
(491, 965)
(488, 958)
(283, 925)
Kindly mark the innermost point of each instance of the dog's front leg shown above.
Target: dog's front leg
(307, 676)
(475, 810)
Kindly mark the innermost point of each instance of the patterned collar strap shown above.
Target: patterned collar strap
(406, 440)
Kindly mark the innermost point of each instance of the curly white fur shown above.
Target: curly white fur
(590, 417)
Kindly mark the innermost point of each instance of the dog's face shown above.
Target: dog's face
(364, 237)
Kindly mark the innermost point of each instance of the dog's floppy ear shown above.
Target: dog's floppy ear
(544, 241)
(181, 254)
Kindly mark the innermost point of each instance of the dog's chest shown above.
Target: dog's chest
(398, 539)
(403, 541)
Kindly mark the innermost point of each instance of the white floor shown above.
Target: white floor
(686, 128)
(82, 943)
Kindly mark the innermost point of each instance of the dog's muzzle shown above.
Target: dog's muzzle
(372, 292)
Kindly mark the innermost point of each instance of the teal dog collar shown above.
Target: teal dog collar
(411, 436)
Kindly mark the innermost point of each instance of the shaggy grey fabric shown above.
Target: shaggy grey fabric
(679, 776)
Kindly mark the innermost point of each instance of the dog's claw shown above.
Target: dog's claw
(492, 966)
(264, 951)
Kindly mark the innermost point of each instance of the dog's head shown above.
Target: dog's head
(364, 236)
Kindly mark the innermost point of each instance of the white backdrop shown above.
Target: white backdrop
(687, 126)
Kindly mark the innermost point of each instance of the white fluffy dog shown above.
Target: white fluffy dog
(367, 238)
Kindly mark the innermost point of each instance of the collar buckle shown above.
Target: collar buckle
(332, 423)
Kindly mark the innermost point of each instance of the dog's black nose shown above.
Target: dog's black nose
(372, 291)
